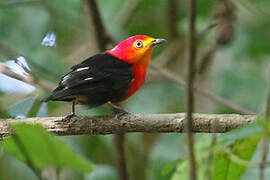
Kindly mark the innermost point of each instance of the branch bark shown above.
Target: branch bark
(172, 18)
(151, 123)
(265, 139)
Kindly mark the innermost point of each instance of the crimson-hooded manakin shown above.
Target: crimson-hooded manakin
(111, 76)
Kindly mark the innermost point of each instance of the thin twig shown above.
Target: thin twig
(176, 44)
(267, 107)
(97, 28)
(119, 142)
(206, 59)
(27, 78)
(171, 51)
(265, 139)
(148, 142)
(206, 30)
(12, 53)
(218, 99)
(254, 10)
(211, 157)
(189, 89)
(172, 18)
(265, 149)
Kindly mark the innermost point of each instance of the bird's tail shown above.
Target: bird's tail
(46, 99)
(53, 96)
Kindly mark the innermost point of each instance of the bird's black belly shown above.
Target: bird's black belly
(100, 98)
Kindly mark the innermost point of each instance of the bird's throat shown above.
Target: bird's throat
(139, 70)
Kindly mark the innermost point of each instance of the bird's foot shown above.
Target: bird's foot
(68, 117)
(119, 114)
(118, 110)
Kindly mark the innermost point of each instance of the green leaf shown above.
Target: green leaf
(181, 171)
(225, 169)
(169, 168)
(43, 149)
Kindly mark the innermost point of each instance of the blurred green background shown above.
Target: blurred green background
(233, 62)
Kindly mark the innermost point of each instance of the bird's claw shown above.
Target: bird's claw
(118, 110)
(119, 114)
(68, 117)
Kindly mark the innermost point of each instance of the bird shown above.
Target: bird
(107, 77)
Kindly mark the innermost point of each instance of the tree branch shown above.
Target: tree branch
(172, 18)
(29, 79)
(190, 88)
(100, 34)
(151, 123)
(119, 143)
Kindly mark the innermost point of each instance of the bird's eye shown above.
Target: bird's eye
(138, 44)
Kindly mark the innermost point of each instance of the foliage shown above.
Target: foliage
(226, 168)
(42, 149)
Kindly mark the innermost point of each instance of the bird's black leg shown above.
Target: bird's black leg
(68, 117)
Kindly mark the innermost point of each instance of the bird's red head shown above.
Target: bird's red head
(136, 49)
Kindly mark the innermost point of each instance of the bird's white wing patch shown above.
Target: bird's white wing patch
(87, 79)
(65, 77)
(83, 68)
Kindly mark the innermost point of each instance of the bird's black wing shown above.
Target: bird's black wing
(95, 81)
